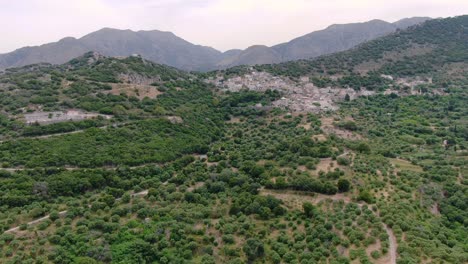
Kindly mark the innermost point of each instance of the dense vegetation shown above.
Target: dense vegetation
(437, 50)
(197, 175)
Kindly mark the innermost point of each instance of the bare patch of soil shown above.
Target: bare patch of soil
(234, 120)
(306, 126)
(57, 117)
(139, 91)
(329, 128)
(401, 164)
(295, 199)
(319, 137)
(326, 165)
(435, 209)
(175, 119)
(195, 186)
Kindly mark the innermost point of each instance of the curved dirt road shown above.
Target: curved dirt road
(34, 222)
(316, 198)
(393, 245)
(61, 213)
(66, 133)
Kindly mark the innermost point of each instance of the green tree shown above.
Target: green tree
(363, 147)
(364, 195)
(309, 209)
(253, 249)
(343, 185)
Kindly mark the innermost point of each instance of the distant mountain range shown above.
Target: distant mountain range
(167, 48)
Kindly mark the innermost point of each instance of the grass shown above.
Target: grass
(405, 165)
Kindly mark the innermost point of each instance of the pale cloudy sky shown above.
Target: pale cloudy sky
(222, 24)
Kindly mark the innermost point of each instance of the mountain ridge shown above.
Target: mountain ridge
(167, 48)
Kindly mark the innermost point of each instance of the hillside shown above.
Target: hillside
(436, 45)
(333, 39)
(121, 160)
(166, 48)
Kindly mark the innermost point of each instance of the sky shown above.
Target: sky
(221, 24)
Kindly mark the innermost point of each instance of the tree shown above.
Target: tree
(275, 258)
(119, 110)
(347, 98)
(253, 249)
(54, 215)
(343, 185)
(309, 209)
(364, 195)
(41, 189)
(363, 147)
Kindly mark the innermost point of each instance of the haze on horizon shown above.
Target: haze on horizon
(221, 24)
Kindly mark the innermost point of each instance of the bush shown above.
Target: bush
(343, 185)
(309, 209)
(364, 195)
(343, 161)
(375, 254)
(253, 249)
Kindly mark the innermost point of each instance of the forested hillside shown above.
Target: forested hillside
(432, 50)
(155, 165)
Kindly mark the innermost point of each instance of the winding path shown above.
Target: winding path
(393, 245)
(316, 198)
(320, 197)
(66, 133)
(62, 213)
(14, 229)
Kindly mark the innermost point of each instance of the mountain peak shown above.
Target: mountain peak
(67, 39)
(411, 21)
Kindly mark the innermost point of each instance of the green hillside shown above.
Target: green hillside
(436, 42)
(164, 167)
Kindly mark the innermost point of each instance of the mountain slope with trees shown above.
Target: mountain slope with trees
(186, 172)
(438, 44)
(334, 38)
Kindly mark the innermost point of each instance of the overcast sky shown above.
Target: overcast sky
(222, 24)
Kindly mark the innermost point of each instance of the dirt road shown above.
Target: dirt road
(66, 133)
(296, 198)
(393, 245)
(34, 222)
(62, 213)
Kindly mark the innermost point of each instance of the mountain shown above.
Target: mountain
(162, 47)
(408, 22)
(258, 54)
(167, 48)
(333, 39)
(437, 47)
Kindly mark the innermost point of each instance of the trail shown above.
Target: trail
(69, 168)
(65, 133)
(315, 198)
(393, 245)
(62, 213)
(51, 135)
(14, 229)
